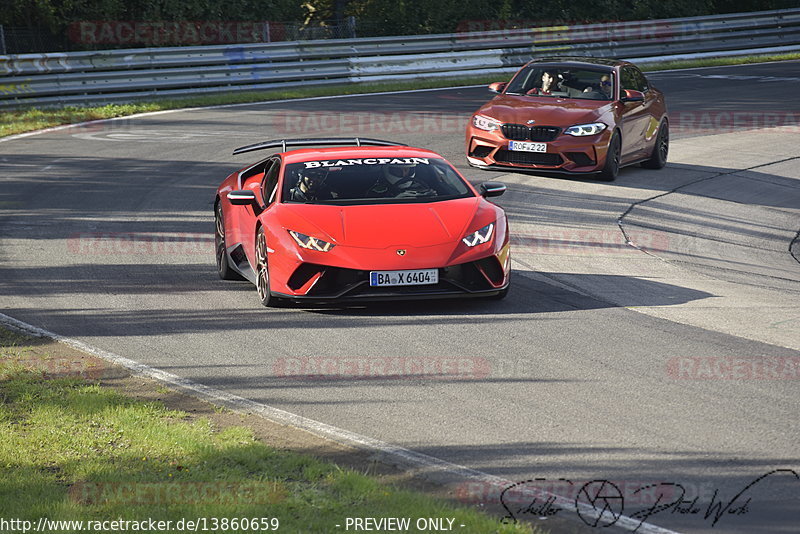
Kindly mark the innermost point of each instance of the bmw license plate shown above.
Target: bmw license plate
(525, 146)
(418, 277)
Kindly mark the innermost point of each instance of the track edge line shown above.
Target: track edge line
(429, 467)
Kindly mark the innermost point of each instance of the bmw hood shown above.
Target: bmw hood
(545, 111)
(386, 225)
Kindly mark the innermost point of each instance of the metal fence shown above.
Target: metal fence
(55, 79)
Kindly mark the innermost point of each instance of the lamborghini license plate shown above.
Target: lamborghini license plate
(418, 277)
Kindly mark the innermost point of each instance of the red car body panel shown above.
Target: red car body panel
(367, 237)
(637, 124)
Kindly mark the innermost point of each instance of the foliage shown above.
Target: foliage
(56, 14)
(400, 17)
(384, 17)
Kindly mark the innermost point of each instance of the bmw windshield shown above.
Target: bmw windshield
(372, 181)
(563, 82)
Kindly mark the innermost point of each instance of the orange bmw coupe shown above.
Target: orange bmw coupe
(573, 115)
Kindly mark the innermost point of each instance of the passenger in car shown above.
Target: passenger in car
(311, 187)
(547, 84)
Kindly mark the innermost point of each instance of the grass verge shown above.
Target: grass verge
(75, 450)
(720, 61)
(20, 121)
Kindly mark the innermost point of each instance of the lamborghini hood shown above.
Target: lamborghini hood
(386, 225)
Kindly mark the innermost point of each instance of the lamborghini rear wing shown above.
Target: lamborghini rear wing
(323, 141)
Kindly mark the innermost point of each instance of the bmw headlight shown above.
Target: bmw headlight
(311, 243)
(479, 237)
(580, 130)
(482, 122)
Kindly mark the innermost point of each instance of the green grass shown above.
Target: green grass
(73, 450)
(14, 348)
(20, 121)
(720, 62)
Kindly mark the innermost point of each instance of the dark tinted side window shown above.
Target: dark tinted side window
(270, 182)
(628, 79)
(632, 78)
(641, 81)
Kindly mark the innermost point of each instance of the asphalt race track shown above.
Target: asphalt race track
(674, 360)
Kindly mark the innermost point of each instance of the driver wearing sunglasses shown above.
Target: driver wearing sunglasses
(605, 86)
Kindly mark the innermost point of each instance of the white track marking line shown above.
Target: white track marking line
(221, 106)
(428, 466)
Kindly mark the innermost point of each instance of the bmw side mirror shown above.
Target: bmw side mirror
(242, 197)
(497, 87)
(629, 95)
(492, 189)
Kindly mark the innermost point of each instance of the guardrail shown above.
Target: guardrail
(56, 79)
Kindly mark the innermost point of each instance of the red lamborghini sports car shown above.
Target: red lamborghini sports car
(359, 219)
(571, 115)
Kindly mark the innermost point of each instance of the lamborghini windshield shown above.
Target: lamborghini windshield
(563, 82)
(372, 181)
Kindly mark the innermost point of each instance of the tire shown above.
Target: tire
(262, 271)
(611, 167)
(224, 269)
(658, 159)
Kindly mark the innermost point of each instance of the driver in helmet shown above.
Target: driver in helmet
(400, 176)
(400, 181)
(309, 185)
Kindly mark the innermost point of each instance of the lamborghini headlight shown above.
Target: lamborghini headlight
(311, 243)
(479, 237)
(580, 130)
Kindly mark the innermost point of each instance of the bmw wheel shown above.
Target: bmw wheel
(658, 159)
(611, 167)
